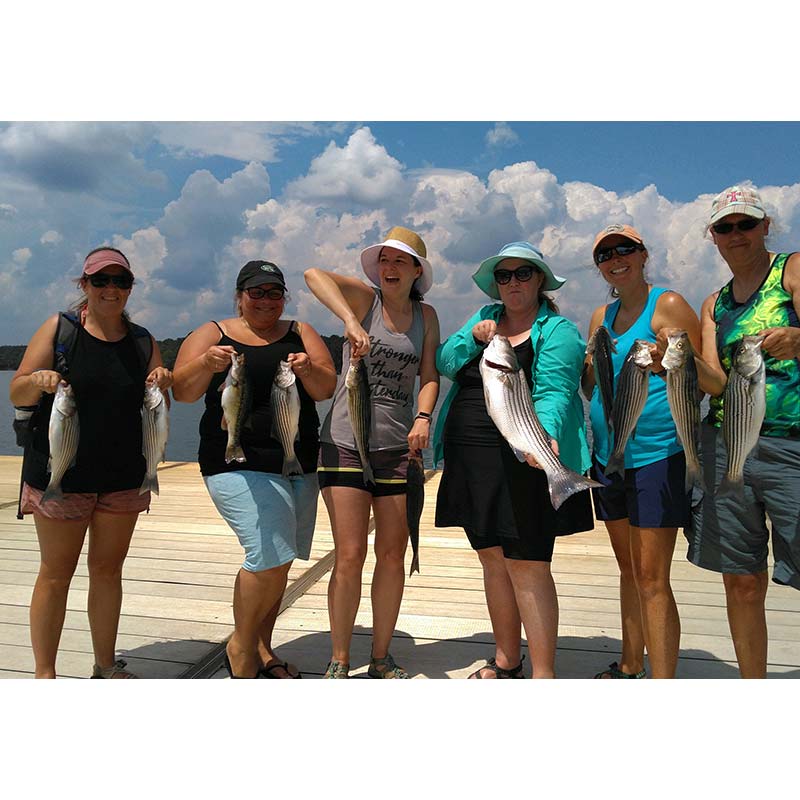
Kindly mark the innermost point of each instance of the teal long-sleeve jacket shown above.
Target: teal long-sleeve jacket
(558, 354)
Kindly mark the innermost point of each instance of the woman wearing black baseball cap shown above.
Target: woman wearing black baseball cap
(272, 514)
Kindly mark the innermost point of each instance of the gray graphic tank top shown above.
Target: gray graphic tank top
(392, 367)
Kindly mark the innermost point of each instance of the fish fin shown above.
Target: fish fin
(519, 454)
(616, 465)
(414, 565)
(563, 485)
(694, 475)
(291, 466)
(224, 423)
(234, 454)
(731, 487)
(369, 476)
(52, 493)
(149, 484)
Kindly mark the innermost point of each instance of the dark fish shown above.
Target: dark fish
(629, 400)
(360, 412)
(415, 500)
(63, 433)
(683, 396)
(235, 407)
(743, 404)
(155, 431)
(600, 347)
(510, 406)
(285, 407)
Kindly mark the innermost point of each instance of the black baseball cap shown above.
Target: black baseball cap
(257, 273)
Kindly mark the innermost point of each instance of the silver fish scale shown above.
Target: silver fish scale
(155, 431)
(629, 401)
(285, 402)
(359, 411)
(600, 347)
(744, 405)
(63, 435)
(682, 393)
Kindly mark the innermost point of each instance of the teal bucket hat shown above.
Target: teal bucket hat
(484, 276)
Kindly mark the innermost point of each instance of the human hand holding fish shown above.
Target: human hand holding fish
(46, 379)
(484, 331)
(161, 377)
(359, 339)
(781, 343)
(531, 459)
(218, 357)
(300, 364)
(420, 434)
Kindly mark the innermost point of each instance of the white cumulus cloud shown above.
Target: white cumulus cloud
(22, 255)
(51, 237)
(501, 135)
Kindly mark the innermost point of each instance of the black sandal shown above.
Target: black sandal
(514, 672)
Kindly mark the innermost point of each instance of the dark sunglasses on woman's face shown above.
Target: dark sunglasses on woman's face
(258, 293)
(607, 253)
(522, 274)
(120, 281)
(742, 225)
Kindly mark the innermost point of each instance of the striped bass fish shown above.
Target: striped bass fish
(415, 500)
(360, 412)
(510, 406)
(155, 432)
(744, 404)
(683, 396)
(600, 347)
(235, 407)
(63, 434)
(629, 400)
(285, 406)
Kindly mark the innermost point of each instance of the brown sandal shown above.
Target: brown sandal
(514, 672)
(118, 668)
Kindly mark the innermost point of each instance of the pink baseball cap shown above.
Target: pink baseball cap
(104, 257)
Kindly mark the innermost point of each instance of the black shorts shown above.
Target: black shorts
(340, 466)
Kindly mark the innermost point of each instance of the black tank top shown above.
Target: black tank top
(467, 421)
(263, 452)
(108, 381)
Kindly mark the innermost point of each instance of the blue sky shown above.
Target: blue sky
(191, 202)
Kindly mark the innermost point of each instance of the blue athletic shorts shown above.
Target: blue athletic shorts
(652, 496)
(730, 533)
(272, 516)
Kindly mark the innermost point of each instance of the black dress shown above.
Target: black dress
(486, 490)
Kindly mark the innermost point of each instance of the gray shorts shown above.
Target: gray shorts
(730, 534)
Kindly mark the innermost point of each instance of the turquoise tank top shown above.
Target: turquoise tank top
(770, 306)
(655, 437)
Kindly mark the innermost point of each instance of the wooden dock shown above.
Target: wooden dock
(179, 574)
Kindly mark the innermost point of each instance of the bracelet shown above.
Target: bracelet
(423, 415)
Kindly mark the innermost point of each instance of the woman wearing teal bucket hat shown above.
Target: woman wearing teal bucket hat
(503, 504)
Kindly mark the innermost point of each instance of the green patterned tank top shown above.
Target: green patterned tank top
(770, 306)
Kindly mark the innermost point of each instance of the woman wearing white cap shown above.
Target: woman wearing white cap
(396, 336)
(503, 504)
(729, 533)
(645, 500)
(106, 360)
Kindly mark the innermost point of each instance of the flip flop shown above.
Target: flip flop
(290, 669)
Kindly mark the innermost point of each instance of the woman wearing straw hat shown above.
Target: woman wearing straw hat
(396, 336)
(644, 504)
(503, 504)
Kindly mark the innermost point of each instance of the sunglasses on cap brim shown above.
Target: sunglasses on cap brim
(742, 225)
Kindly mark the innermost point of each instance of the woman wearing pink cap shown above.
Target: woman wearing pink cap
(395, 336)
(643, 500)
(100, 358)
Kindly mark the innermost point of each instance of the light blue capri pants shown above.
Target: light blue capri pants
(272, 516)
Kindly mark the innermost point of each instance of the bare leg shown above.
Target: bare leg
(632, 659)
(254, 594)
(746, 595)
(109, 540)
(60, 544)
(268, 626)
(388, 580)
(651, 556)
(503, 611)
(538, 607)
(348, 510)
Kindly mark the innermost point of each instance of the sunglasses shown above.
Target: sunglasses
(742, 225)
(258, 293)
(607, 253)
(522, 274)
(120, 281)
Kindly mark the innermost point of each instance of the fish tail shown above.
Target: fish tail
(52, 492)
(414, 565)
(291, 466)
(694, 475)
(369, 477)
(149, 484)
(731, 486)
(564, 484)
(234, 452)
(616, 465)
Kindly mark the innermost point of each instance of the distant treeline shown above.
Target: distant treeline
(11, 354)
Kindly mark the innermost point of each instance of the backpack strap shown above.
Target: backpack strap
(64, 340)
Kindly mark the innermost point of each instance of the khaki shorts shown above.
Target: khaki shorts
(75, 506)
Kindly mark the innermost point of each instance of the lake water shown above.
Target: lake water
(184, 420)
